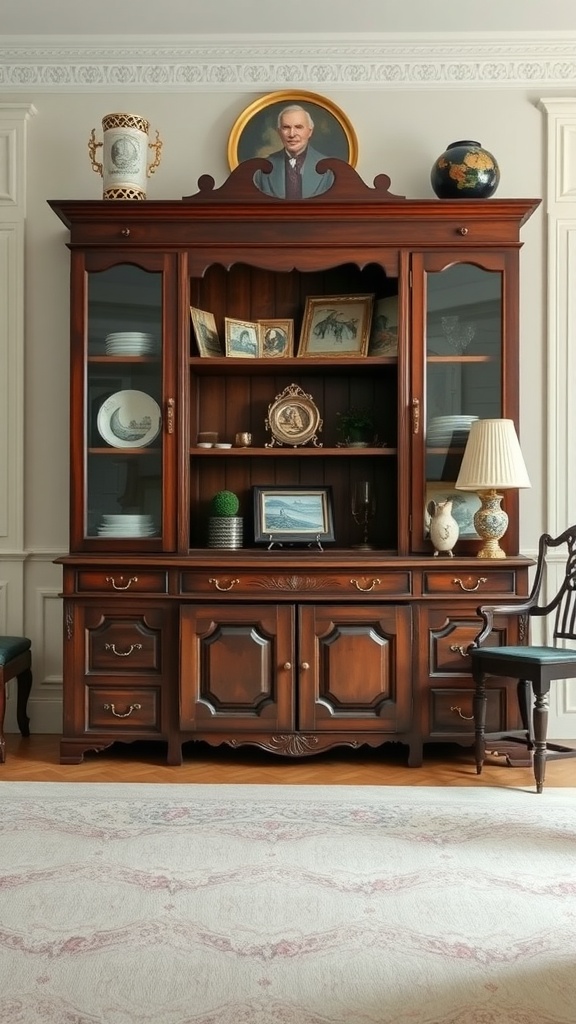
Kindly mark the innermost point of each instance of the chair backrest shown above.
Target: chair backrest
(564, 601)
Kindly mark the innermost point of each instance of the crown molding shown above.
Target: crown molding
(375, 61)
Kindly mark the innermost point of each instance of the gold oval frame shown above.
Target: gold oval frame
(294, 400)
(283, 98)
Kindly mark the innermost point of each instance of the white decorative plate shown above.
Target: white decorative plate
(129, 419)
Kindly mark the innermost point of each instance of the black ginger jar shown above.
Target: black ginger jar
(465, 171)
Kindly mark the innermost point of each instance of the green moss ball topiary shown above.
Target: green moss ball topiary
(224, 503)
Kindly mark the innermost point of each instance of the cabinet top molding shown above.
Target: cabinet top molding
(238, 201)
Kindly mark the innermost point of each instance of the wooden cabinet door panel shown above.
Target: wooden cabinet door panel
(355, 668)
(237, 667)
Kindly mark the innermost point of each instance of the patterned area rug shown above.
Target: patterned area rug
(183, 904)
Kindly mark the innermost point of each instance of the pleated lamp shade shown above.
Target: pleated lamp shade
(492, 459)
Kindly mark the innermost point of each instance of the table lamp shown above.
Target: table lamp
(492, 462)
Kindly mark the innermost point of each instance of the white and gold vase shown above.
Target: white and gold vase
(124, 168)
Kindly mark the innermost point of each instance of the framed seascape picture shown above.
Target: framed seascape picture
(292, 125)
(205, 332)
(276, 338)
(242, 338)
(464, 505)
(336, 325)
(295, 515)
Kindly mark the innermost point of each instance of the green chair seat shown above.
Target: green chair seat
(12, 646)
(534, 655)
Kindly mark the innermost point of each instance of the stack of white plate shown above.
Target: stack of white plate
(125, 525)
(449, 431)
(130, 343)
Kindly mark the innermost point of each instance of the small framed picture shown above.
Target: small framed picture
(276, 338)
(384, 330)
(297, 515)
(205, 332)
(242, 338)
(336, 325)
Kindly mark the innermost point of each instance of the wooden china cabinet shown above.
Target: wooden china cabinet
(292, 648)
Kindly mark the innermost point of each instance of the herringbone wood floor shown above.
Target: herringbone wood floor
(36, 760)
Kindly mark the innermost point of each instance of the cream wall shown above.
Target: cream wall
(400, 131)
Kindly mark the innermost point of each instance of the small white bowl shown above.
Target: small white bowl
(223, 445)
(204, 444)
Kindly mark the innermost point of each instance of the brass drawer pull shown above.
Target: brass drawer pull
(122, 654)
(121, 585)
(470, 590)
(462, 231)
(467, 718)
(117, 714)
(458, 649)
(231, 584)
(366, 590)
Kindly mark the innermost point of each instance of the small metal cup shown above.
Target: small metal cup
(243, 439)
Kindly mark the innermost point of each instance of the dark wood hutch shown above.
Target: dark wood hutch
(293, 649)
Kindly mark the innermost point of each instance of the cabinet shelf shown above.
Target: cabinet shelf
(246, 453)
(206, 366)
(130, 452)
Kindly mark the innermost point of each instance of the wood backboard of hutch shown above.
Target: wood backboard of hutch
(293, 649)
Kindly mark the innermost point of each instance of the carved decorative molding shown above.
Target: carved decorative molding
(506, 61)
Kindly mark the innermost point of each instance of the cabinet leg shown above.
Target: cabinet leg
(174, 754)
(479, 711)
(415, 754)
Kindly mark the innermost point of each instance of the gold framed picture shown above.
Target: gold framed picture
(205, 332)
(336, 325)
(276, 338)
(242, 338)
(292, 124)
(384, 330)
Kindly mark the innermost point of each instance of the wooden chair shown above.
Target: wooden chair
(15, 661)
(530, 665)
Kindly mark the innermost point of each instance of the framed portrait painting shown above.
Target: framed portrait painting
(294, 130)
(295, 515)
(336, 325)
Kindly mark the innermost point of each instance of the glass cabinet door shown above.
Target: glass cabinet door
(122, 477)
(461, 379)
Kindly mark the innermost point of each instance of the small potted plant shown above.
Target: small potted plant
(225, 526)
(356, 426)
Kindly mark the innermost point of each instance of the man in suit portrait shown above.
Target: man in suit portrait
(294, 174)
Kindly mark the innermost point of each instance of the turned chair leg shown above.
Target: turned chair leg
(540, 720)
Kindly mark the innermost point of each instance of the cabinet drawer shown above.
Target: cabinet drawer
(121, 645)
(136, 709)
(313, 584)
(451, 711)
(477, 581)
(121, 581)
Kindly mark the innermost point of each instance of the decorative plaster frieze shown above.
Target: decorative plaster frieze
(512, 61)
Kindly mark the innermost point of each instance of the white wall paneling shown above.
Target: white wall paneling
(561, 360)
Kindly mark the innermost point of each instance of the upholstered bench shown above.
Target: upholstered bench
(15, 661)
